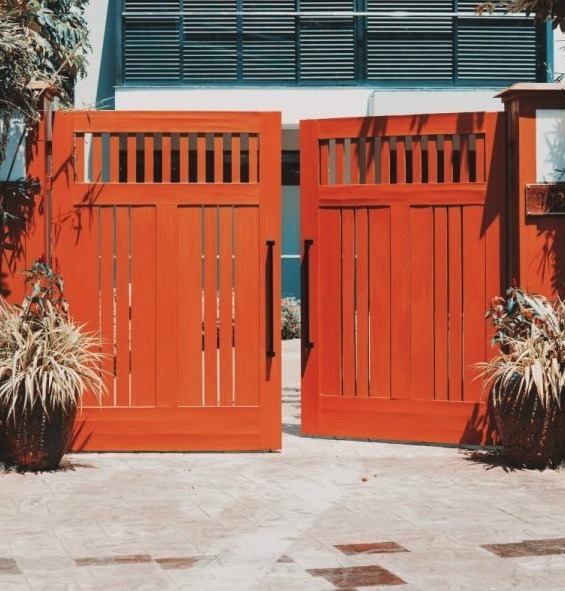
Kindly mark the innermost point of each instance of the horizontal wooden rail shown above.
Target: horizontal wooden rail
(415, 195)
(169, 194)
(166, 122)
(438, 124)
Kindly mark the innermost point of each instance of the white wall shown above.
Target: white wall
(97, 89)
(13, 168)
(298, 103)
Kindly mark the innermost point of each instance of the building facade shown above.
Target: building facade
(309, 59)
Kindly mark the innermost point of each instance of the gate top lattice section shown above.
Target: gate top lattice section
(414, 150)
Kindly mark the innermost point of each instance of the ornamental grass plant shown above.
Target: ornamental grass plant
(45, 359)
(530, 332)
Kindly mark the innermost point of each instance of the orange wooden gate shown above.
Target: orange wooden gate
(403, 233)
(167, 232)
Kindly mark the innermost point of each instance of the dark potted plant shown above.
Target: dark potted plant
(46, 364)
(526, 377)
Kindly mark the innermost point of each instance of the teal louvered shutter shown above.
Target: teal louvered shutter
(409, 40)
(268, 44)
(327, 42)
(211, 47)
(151, 45)
(336, 42)
(495, 48)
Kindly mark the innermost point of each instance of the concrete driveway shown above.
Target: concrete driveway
(321, 515)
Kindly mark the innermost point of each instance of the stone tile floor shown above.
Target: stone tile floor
(321, 515)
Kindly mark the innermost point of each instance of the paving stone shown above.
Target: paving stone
(357, 576)
(260, 522)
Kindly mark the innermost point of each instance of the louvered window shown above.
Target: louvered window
(418, 47)
(339, 42)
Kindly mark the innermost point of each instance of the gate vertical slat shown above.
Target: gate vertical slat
(328, 297)
(380, 302)
(384, 161)
(131, 157)
(422, 314)
(143, 303)
(218, 149)
(122, 290)
(114, 158)
(201, 158)
(190, 318)
(166, 345)
(107, 297)
(400, 301)
(210, 307)
(324, 156)
(338, 164)
(369, 161)
(416, 159)
(96, 155)
(474, 273)
(236, 158)
(464, 159)
(455, 303)
(401, 169)
(354, 161)
(480, 158)
(348, 301)
(226, 305)
(87, 305)
(362, 301)
(166, 146)
(441, 282)
(183, 157)
(253, 158)
(149, 158)
(78, 171)
(448, 159)
(247, 320)
(432, 159)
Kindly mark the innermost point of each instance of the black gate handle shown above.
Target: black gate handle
(308, 344)
(270, 300)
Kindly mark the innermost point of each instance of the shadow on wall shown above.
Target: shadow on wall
(22, 210)
(548, 250)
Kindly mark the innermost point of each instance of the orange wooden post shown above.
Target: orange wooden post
(537, 246)
(28, 238)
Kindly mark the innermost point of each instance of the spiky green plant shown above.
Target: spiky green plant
(44, 357)
(530, 333)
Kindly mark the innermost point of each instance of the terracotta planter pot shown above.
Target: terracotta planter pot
(532, 436)
(31, 440)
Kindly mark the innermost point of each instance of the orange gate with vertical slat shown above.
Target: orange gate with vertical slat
(166, 229)
(403, 246)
